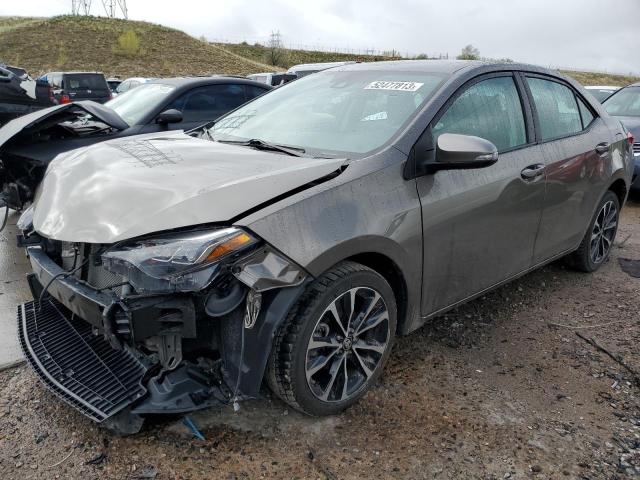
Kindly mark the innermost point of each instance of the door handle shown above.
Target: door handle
(532, 171)
(602, 147)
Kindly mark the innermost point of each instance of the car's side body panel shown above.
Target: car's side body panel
(323, 226)
(479, 226)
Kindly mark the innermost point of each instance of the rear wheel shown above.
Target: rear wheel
(335, 341)
(597, 242)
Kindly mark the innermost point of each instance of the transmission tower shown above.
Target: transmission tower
(81, 7)
(111, 8)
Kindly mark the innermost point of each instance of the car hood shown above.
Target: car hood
(59, 113)
(124, 188)
(632, 124)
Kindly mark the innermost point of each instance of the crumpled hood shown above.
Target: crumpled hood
(133, 186)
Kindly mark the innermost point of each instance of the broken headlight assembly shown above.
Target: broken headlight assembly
(177, 262)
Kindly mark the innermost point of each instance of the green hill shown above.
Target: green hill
(94, 44)
(129, 48)
(260, 53)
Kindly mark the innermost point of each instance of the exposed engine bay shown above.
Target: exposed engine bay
(170, 343)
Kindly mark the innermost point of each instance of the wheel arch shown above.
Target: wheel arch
(619, 187)
(389, 260)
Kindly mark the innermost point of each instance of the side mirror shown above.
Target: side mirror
(169, 116)
(464, 151)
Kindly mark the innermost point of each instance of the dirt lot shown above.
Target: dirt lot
(501, 388)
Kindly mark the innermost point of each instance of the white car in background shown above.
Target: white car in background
(602, 92)
(305, 69)
(275, 79)
(131, 83)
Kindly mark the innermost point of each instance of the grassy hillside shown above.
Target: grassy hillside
(591, 78)
(260, 53)
(92, 43)
(128, 48)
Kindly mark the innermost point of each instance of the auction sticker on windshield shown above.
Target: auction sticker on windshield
(401, 86)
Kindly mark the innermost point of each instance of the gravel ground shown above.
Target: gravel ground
(502, 387)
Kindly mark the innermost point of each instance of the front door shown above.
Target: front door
(480, 225)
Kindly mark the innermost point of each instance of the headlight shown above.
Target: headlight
(178, 262)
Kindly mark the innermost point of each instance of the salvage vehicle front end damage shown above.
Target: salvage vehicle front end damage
(140, 318)
(294, 238)
(152, 330)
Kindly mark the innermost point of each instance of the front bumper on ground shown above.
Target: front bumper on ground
(79, 367)
(70, 339)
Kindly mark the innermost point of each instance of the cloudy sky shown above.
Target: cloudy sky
(581, 34)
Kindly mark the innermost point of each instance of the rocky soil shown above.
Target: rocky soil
(500, 388)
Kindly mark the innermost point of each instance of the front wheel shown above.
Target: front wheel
(597, 242)
(334, 343)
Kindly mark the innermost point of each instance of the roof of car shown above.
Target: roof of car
(317, 66)
(194, 81)
(447, 67)
(601, 87)
(74, 73)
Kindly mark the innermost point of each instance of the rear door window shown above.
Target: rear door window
(490, 109)
(557, 108)
(207, 103)
(85, 81)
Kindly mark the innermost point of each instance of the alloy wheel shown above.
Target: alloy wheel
(603, 233)
(347, 344)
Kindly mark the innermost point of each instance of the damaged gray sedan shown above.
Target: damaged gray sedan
(294, 239)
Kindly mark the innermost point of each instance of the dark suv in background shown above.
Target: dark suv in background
(73, 86)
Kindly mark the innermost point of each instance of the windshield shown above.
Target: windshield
(136, 104)
(332, 112)
(624, 103)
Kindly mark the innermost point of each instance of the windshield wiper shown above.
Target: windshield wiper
(262, 145)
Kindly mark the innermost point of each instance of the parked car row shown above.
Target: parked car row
(276, 79)
(291, 239)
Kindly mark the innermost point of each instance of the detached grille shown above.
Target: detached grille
(79, 367)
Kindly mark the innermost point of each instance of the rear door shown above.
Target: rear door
(576, 145)
(480, 225)
(86, 86)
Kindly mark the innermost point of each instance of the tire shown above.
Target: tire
(597, 242)
(305, 374)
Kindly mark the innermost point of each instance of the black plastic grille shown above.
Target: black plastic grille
(636, 147)
(79, 367)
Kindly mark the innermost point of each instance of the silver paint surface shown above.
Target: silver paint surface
(128, 187)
